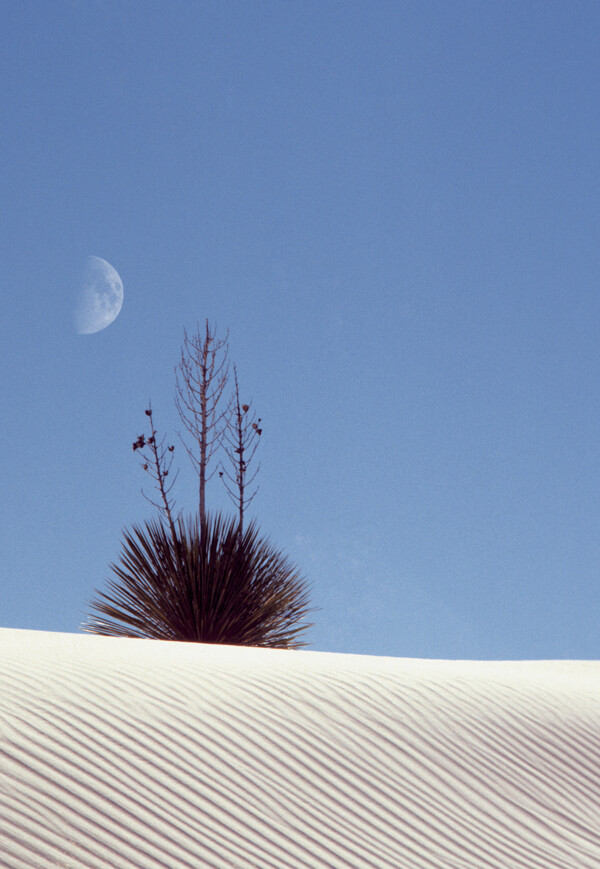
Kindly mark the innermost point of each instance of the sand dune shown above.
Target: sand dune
(140, 753)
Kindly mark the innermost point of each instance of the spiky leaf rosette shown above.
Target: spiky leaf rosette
(219, 587)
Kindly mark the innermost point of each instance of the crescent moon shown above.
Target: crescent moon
(100, 298)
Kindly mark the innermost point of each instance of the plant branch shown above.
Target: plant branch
(200, 380)
(158, 464)
(240, 442)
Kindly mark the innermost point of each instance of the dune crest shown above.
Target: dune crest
(141, 753)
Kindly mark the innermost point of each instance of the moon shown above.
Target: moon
(100, 298)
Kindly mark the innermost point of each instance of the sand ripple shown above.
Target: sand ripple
(137, 753)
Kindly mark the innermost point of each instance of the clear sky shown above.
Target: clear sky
(394, 208)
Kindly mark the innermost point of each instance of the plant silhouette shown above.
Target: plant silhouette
(214, 587)
(206, 579)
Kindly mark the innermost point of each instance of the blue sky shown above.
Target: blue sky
(394, 209)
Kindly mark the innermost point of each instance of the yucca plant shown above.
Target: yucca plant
(211, 586)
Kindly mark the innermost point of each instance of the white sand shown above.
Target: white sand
(140, 753)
